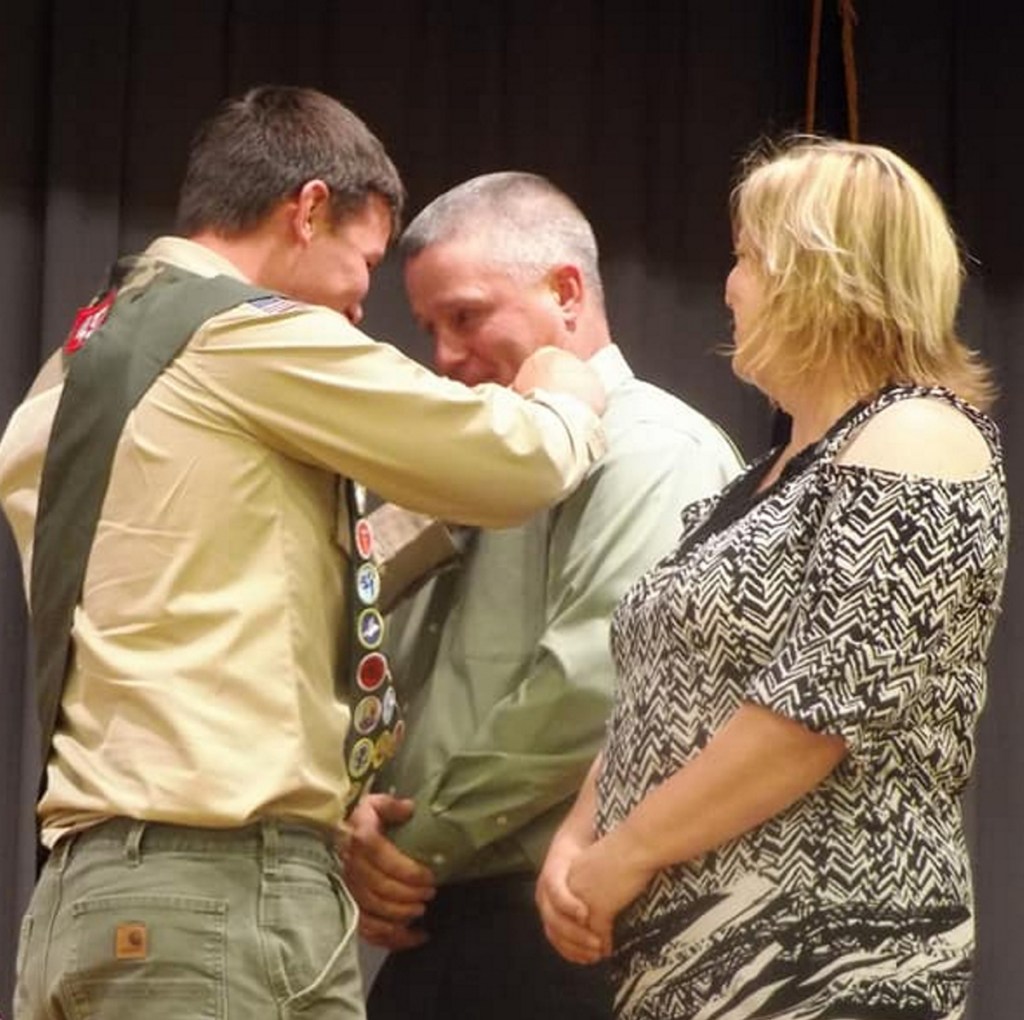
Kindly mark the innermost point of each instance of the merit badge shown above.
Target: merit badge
(364, 538)
(399, 733)
(371, 628)
(390, 704)
(360, 757)
(383, 749)
(359, 497)
(368, 584)
(367, 714)
(372, 671)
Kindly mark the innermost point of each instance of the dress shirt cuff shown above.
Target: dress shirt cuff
(433, 840)
(586, 433)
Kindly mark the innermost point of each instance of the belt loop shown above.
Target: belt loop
(61, 853)
(270, 845)
(133, 843)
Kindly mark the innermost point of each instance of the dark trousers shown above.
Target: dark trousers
(487, 959)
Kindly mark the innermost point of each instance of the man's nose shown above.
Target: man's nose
(447, 356)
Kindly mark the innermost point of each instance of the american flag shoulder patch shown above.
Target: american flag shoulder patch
(274, 304)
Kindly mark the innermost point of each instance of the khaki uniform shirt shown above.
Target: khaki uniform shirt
(206, 641)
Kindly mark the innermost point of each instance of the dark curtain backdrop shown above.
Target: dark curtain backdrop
(639, 108)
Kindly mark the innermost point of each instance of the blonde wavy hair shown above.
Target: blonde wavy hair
(861, 272)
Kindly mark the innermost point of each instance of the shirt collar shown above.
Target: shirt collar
(611, 367)
(194, 257)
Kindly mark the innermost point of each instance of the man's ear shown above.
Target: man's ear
(310, 209)
(566, 283)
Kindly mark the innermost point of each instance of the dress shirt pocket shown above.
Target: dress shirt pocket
(503, 618)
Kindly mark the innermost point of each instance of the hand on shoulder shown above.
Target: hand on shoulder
(559, 371)
(921, 436)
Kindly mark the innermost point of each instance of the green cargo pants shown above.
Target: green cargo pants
(140, 920)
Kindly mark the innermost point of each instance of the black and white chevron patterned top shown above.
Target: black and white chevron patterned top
(859, 602)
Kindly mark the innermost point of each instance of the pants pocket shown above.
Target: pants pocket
(151, 956)
(307, 927)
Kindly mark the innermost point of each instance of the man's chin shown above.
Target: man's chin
(478, 378)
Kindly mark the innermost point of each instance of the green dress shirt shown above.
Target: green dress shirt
(504, 666)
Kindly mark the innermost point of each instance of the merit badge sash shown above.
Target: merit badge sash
(376, 729)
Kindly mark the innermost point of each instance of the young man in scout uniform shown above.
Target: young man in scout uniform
(172, 483)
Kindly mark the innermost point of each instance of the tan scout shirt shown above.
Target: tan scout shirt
(206, 640)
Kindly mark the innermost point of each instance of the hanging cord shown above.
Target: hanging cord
(812, 69)
(850, 70)
(849, 16)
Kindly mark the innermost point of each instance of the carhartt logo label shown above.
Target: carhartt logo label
(130, 942)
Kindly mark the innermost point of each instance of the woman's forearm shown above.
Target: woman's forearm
(756, 766)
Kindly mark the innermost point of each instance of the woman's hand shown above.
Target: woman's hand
(563, 914)
(607, 876)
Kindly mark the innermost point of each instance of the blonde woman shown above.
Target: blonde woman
(774, 827)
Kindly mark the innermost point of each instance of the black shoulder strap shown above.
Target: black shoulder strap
(145, 330)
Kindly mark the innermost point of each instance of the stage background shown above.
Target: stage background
(639, 109)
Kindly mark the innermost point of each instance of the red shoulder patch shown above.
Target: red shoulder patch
(87, 321)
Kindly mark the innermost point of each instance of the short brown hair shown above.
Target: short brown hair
(861, 269)
(262, 147)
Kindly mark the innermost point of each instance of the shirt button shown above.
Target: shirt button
(502, 820)
(437, 859)
(433, 628)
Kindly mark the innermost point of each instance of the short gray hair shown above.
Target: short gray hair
(529, 224)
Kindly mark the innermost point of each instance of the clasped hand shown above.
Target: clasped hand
(392, 889)
(582, 888)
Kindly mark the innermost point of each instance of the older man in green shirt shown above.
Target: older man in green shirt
(504, 663)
